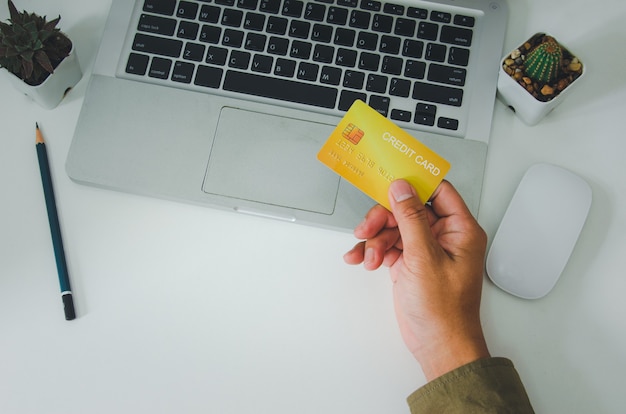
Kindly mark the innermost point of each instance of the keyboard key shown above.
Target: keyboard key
(210, 34)
(392, 65)
(232, 38)
(347, 99)
(281, 89)
(193, 51)
(157, 25)
(466, 21)
(239, 59)
(417, 13)
(292, 8)
(415, 69)
(372, 5)
(382, 23)
(247, 4)
(353, 79)
(187, 10)
(307, 71)
(277, 25)
(137, 64)
(330, 75)
(299, 29)
(285, 67)
(157, 45)
(425, 114)
(183, 72)
(360, 19)
(255, 41)
(346, 3)
(254, 21)
(438, 94)
(390, 45)
(412, 48)
(160, 68)
(448, 123)
(405, 27)
(210, 77)
(427, 31)
(216, 56)
(456, 36)
(322, 33)
(270, 6)
(300, 50)
(367, 41)
(440, 17)
(346, 57)
(344, 37)
(277, 46)
(165, 7)
(209, 14)
(435, 52)
(400, 115)
(369, 61)
(447, 74)
(315, 12)
(232, 18)
(337, 15)
(380, 104)
(262, 63)
(400, 87)
(396, 9)
(188, 30)
(376, 83)
(458, 56)
(323, 53)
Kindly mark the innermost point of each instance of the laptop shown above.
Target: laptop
(225, 103)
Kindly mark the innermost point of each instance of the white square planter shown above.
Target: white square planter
(50, 93)
(528, 108)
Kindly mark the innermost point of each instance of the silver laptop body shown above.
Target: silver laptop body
(174, 133)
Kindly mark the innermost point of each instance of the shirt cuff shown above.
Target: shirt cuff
(489, 385)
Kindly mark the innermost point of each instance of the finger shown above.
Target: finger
(377, 219)
(446, 201)
(377, 247)
(411, 215)
(356, 255)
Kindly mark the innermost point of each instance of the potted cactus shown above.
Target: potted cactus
(535, 77)
(39, 60)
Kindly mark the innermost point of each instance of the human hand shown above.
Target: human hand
(435, 255)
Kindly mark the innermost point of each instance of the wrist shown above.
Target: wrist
(450, 352)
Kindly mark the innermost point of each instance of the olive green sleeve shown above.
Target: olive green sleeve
(490, 385)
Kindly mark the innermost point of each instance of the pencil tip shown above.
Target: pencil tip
(38, 136)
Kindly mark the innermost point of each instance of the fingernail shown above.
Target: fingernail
(369, 256)
(401, 190)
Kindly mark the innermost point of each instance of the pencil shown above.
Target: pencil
(55, 228)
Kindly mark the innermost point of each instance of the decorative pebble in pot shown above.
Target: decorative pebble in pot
(535, 77)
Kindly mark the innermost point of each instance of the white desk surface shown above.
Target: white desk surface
(191, 310)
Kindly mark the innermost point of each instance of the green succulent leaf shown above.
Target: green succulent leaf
(30, 46)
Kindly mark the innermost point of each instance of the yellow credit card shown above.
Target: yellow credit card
(370, 152)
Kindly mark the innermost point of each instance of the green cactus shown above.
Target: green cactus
(543, 63)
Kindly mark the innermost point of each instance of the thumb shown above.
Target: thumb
(411, 216)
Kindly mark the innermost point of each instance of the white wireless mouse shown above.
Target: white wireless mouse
(538, 231)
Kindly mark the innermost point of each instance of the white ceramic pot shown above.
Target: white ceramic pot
(527, 107)
(50, 93)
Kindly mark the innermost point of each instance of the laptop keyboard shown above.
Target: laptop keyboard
(410, 63)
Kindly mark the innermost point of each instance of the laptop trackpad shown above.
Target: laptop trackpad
(271, 160)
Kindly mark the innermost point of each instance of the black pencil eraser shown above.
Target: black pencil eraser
(68, 307)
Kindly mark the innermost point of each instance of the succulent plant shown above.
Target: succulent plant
(544, 62)
(30, 46)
